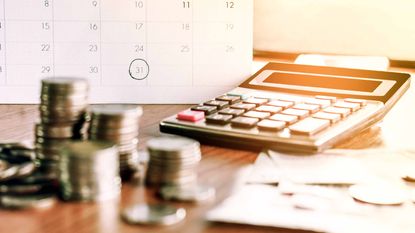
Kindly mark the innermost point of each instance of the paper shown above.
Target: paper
(139, 51)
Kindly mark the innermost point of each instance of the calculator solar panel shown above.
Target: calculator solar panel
(292, 107)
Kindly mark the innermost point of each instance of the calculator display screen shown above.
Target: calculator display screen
(323, 81)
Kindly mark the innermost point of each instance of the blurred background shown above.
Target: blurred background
(347, 27)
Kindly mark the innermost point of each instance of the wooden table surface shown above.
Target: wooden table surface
(219, 168)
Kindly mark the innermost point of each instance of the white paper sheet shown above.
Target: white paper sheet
(139, 51)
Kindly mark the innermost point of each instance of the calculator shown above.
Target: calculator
(292, 107)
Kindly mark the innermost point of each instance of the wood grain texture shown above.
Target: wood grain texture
(220, 167)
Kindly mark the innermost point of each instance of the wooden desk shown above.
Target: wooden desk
(219, 168)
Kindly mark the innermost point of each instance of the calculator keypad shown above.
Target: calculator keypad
(305, 117)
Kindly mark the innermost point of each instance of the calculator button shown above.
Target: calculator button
(206, 109)
(321, 103)
(296, 112)
(357, 101)
(219, 119)
(309, 126)
(189, 115)
(256, 114)
(343, 112)
(333, 118)
(229, 99)
(270, 125)
(312, 108)
(244, 122)
(231, 111)
(267, 108)
(281, 104)
(290, 99)
(332, 99)
(241, 96)
(217, 103)
(285, 118)
(245, 107)
(352, 106)
(256, 101)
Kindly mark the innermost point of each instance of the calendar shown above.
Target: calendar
(131, 51)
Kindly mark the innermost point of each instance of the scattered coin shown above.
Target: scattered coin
(189, 193)
(157, 214)
(379, 194)
(27, 201)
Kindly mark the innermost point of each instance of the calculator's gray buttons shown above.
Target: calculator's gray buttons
(344, 112)
(332, 117)
(322, 103)
(296, 112)
(352, 106)
(270, 125)
(229, 99)
(285, 118)
(256, 101)
(267, 108)
(206, 109)
(256, 114)
(357, 101)
(244, 122)
(217, 103)
(312, 108)
(281, 104)
(309, 126)
(219, 119)
(245, 107)
(332, 99)
(232, 111)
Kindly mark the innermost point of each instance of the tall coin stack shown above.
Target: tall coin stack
(119, 124)
(173, 161)
(89, 171)
(63, 114)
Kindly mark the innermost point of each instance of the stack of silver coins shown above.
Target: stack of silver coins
(89, 171)
(21, 183)
(118, 124)
(173, 161)
(63, 114)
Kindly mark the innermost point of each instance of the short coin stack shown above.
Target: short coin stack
(173, 161)
(89, 171)
(119, 124)
(21, 183)
(63, 107)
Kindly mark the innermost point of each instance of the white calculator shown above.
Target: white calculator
(293, 107)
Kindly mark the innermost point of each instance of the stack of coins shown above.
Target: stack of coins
(63, 113)
(21, 183)
(89, 171)
(118, 124)
(173, 161)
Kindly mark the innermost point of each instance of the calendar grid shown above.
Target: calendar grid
(100, 43)
(5, 46)
(53, 37)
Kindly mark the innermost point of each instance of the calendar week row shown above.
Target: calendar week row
(119, 54)
(125, 10)
(40, 31)
(119, 75)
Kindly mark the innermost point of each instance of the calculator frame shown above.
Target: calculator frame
(379, 105)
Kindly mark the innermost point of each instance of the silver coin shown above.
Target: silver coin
(65, 83)
(171, 143)
(155, 214)
(3, 165)
(379, 194)
(117, 110)
(189, 193)
(17, 170)
(27, 201)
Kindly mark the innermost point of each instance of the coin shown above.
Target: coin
(171, 144)
(189, 193)
(117, 111)
(379, 194)
(64, 83)
(27, 201)
(155, 214)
